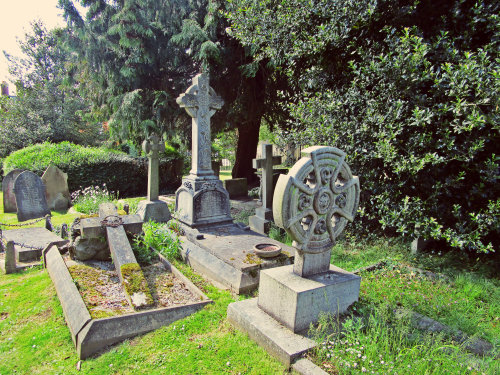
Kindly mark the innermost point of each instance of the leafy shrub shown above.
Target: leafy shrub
(90, 166)
(159, 237)
(87, 201)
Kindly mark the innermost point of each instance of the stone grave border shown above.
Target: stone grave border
(92, 335)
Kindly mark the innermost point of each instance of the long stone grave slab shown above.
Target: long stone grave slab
(92, 335)
(34, 239)
(225, 255)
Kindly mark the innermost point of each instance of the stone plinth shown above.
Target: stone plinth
(296, 302)
(154, 210)
(261, 221)
(236, 187)
(202, 201)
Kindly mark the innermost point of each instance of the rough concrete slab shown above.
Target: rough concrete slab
(75, 311)
(225, 254)
(297, 302)
(305, 367)
(35, 237)
(278, 340)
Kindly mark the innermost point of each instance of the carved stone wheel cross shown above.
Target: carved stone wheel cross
(317, 197)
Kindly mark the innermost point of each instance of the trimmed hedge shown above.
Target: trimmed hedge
(90, 166)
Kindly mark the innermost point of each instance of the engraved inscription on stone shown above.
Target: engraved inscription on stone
(30, 196)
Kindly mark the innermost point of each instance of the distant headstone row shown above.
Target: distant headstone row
(33, 197)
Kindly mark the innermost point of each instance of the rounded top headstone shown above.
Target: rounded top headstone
(317, 197)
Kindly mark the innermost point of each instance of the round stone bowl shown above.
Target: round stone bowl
(267, 250)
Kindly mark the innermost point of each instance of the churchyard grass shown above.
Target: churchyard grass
(225, 175)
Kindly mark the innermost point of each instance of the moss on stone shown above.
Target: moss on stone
(251, 258)
(135, 283)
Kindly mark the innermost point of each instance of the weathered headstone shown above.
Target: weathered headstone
(236, 187)
(56, 188)
(201, 200)
(260, 222)
(313, 204)
(153, 208)
(9, 198)
(30, 196)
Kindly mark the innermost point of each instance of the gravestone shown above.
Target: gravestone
(30, 196)
(201, 200)
(312, 203)
(153, 208)
(9, 198)
(236, 187)
(127, 268)
(260, 222)
(56, 188)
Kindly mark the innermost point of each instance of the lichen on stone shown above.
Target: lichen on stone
(135, 283)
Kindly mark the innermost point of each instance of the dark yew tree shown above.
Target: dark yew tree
(410, 90)
(139, 55)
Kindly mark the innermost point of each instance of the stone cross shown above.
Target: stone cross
(266, 163)
(200, 102)
(152, 147)
(313, 203)
(121, 252)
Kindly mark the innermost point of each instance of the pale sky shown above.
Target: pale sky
(15, 18)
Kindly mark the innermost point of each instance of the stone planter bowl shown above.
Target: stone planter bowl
(267, 250)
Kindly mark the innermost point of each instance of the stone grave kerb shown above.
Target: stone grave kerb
(201, 200)
(260, 222)
(153, 208)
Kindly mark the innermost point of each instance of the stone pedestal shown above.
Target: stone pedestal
(154, 210)
(296, 302)
(202, 201)
(261, 221)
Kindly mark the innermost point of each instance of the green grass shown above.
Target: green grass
(225, 175)
(204, 343)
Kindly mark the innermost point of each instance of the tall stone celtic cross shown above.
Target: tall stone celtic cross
(152, 147)
(266, 163)
(200, 102)
(313, 203)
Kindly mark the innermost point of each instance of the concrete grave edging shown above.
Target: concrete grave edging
(91, 335)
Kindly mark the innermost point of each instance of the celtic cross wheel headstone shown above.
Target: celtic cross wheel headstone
(313, 203)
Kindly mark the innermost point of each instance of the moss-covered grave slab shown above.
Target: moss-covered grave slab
(93, 335)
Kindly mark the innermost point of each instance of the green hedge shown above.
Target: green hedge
(90, 166)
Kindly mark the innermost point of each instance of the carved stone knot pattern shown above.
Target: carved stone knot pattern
(188, 185)
(317, 198)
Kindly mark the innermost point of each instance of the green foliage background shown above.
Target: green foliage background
(90, 166)
(409, 90)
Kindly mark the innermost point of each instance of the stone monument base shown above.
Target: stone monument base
(278, 341)
(296, 302)
(224, 254)
(261, 221)
(154, 210)
(202, 201)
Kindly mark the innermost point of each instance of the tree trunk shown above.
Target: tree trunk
(246, 150)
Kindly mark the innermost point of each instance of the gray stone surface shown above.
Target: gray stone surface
(236, 187)
(9, 198)
(305, 367)
(90, 248)
(56, 188)
(278, 340)
(154, 210)
(92, 228)
(152, 147)
(297, 302)
(314, 202)
(225, 255)
(10, 258)
(30, 196)
(75, 311)
(32, 237)
(201, 200)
